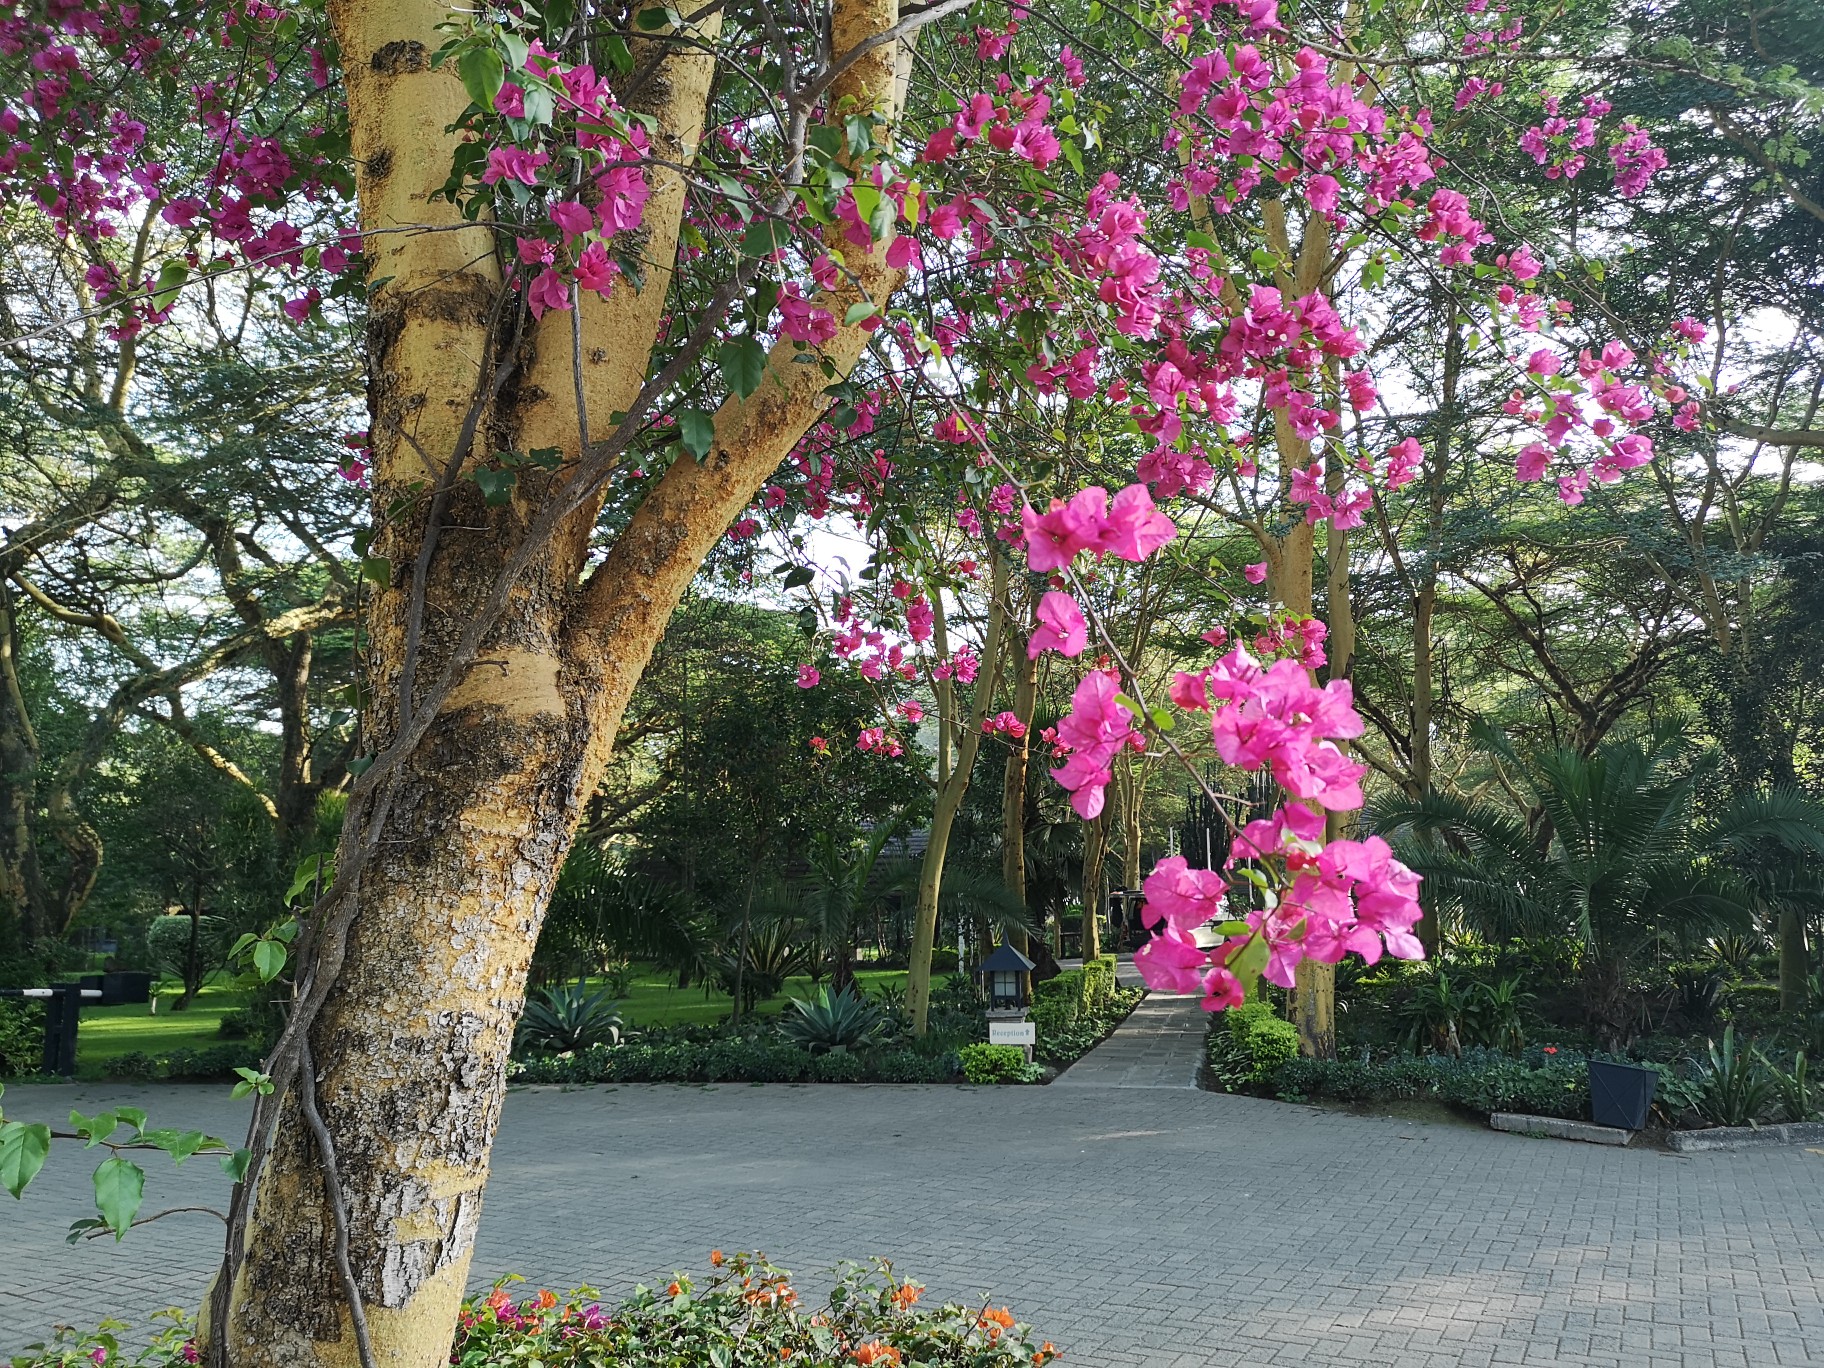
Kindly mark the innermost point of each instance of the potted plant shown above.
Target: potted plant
(1620, 1094)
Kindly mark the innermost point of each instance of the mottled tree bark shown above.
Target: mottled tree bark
(410, 1046)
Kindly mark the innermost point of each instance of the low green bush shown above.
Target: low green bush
(1057, 1002)
(993, 1063)
(1262, 1042)
(1061, 1046)
(212, 1064)
(746, 1312)
(737, 1059)
(21, 1037)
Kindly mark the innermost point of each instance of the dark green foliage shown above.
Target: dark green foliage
(993, 1063)
(1250, 1044)
(1734, 1086)
(1061, 1047)
(1057, 1003)
(21, 1037)
(571, 1016)
(217, 1063)
(1479, 1082)
(733, 1060)
(832, 1021)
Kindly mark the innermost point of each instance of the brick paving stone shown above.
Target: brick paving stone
(1137, 1226)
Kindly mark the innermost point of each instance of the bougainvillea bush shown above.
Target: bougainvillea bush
(745, 1315)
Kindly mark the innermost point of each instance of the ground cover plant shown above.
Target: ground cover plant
(745, 1314)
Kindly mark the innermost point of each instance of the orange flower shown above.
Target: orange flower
(546, 1299)
(875, 1352)
(1001, 1319)
(673, 1290)
(715, 1257)
(905, 1294)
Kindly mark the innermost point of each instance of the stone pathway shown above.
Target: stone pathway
(1160, 1045)
(1139, 1227)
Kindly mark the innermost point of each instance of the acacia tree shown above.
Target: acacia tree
(615, 266)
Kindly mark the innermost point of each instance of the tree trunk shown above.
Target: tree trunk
(959, 736)
(1095, 859)
(1013, 779)
(1425, 601)
(454, 869)
(22, 899)
(1793, 959)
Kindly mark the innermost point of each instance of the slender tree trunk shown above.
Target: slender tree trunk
(1095, 862)
(1794, 961)
(22, 897)
(1425, 599)
(958, 735)
(1013, 779)
(453, 873)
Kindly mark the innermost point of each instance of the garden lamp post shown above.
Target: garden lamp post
(1007, 976)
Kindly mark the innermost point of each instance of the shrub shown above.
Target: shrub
(1733, 1086)
(217, 1062)
(665, 1058)
(943, 961)
(1263, 1041)
(21, 1037)
(747, 1312)
(993, 1063)
(1058, 1002)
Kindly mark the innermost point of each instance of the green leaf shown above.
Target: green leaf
(1232, 928)
(800, 575)
(1196, 237)
(483, 73)
(23, 1150)
(268, 959)
(698, 430)
(743, 364)
(310, 870)
(235, 1165)
(496, 485)
(765, 237)
(859, 310)
(652, 20)
(171, 277)
(120, 1186)
(1163, 720)
(1133, 707)
(133, 1116)
(377, 570)
(96, 1128)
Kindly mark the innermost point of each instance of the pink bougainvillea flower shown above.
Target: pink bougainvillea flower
(808, 677)
(1171, 962)
(1134, 528)
(1054, 538)
(1255, 573)
(1183, 897)
(1060, 628)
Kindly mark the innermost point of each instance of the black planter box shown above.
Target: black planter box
(1620, 1094)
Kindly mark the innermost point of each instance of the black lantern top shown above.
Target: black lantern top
(1007, 972)
(1005, 959)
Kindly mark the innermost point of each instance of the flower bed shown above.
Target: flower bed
(746, 1314)
(735, 1060)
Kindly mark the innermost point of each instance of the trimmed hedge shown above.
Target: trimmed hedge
(995, 1064)
(1480, 1082)
(1260, 1042)
(217, 1062)
(1057, 1003)
(733, 1061)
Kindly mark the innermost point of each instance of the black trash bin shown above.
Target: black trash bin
(1620, 1094)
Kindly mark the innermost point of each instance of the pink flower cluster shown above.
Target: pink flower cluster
(1094, 732)
(1130, 527)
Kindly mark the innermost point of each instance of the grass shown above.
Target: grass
(654, 999)
(109, 1032)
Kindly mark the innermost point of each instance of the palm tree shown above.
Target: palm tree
(1606, 849)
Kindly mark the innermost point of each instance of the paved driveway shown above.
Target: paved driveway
(1135, 1226)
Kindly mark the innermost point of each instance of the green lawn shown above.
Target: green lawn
(109, 1032)
(653, 999)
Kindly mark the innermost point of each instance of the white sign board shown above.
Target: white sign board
(1012, 1033)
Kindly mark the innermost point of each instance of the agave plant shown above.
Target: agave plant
(832, 1021)
(1800, 1097)
(568, 1017)
(1733, 1087)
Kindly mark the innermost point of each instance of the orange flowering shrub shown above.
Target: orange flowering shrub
(746, 1315)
